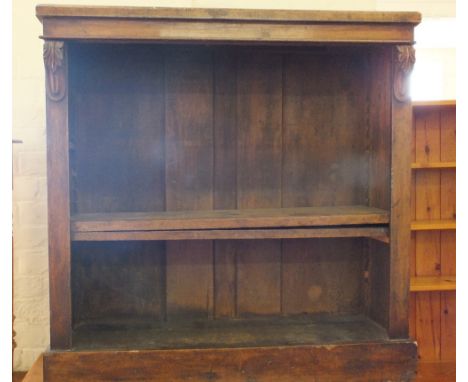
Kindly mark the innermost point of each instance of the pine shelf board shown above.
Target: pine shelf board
(302, 217)
(432, 283)
(428, 225)
(434, 104)
(434, 165)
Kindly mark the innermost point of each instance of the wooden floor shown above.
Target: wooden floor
(427, 372)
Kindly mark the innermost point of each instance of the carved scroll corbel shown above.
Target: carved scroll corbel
(404, 62)
(55, 70)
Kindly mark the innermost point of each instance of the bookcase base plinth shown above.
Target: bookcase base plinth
(391, 360)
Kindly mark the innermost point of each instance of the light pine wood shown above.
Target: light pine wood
(448, 341)
(448, 238)
(432, 306)
(432, 283)
(433, 225)
(35, 374)
(427, 204)
(436, 104)
(428, 325)
(434, 165)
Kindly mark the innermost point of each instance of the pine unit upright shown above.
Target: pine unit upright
(229, 194)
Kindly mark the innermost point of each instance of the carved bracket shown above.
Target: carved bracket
(55, 71)
(404, 62)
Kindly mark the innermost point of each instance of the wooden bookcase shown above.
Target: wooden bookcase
(229, 194)
(433, 249)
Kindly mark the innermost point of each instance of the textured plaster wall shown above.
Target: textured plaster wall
(29, 159)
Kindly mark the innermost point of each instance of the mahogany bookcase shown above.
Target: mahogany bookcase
(229, 194)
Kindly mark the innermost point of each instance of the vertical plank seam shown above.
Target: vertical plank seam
(164, 146)
(440, 235)
(213, 183)
(281, 181)
(236, 196)
(163, 283)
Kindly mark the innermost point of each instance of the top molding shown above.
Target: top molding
(235, 25)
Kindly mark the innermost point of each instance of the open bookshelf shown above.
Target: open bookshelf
(228, 184)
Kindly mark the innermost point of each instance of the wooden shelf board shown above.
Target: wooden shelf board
(434, 165)
(230, 219)
(376, 232)
(432, 283)
(272, 331)
(427, 225)
(434, 104)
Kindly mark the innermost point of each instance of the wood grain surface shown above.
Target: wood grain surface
(373, 362)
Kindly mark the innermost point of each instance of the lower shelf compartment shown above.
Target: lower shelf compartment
(281, 331)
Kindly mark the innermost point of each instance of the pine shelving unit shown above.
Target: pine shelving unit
(433, 281)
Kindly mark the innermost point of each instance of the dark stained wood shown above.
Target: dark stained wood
(163, 24)
(321, 276)
(189, 177)
(400, 204)
(118, 279)
(373, 362)
(311, 122)
(377, 284)
(56, 64)
(376, 232)
(249, 217)
(378, 292)
(227, 172)
(226, 14)
(426, 372)
(379, 128)
(117, 128)
(127, 30)
(225, 178)
(276, 331)
(225, 279)
(259, 153)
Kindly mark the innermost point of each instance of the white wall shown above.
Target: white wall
(29, 158)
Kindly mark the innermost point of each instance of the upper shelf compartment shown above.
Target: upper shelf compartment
(344, 221)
